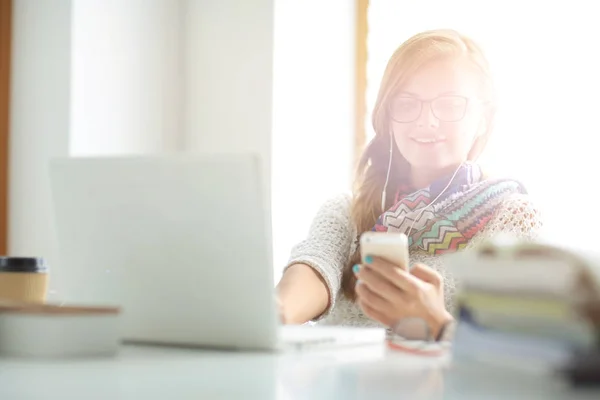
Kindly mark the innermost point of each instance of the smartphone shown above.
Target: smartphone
(392, 247)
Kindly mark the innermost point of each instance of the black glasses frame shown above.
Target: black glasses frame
(432, 108)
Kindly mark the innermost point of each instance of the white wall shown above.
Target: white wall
(313, 113)
(126, 77)
(99, 77)
(90, 77)
(229, 73)
(228, 59)
(39, 116)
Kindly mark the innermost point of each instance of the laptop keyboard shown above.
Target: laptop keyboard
(305, 335)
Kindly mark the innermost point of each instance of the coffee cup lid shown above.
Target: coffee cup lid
(22, 264)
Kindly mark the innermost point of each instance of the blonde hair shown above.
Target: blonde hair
(373, 165)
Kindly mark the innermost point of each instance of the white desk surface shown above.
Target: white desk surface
(370, 373)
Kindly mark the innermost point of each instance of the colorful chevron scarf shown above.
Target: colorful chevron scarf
(460, 213)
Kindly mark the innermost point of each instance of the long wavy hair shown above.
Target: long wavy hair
(372, 167)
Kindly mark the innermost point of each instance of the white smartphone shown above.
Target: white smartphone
(392, 247)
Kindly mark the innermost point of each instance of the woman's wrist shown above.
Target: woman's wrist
(439, 323)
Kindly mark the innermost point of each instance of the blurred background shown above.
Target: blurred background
(292, 80)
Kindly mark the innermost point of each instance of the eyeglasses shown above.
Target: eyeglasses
(449, 108)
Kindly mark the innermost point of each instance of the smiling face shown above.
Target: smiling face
(436, 115)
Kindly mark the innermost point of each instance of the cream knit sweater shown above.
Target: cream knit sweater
(331, 242)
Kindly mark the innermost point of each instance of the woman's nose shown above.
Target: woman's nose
(427, 118)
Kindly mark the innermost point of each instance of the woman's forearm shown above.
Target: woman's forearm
(303, 294)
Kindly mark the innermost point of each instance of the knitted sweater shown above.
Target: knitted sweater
(331, 242)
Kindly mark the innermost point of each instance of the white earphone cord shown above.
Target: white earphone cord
(422, 210)
(387, 176)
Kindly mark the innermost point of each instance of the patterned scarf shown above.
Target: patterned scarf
(460, 213)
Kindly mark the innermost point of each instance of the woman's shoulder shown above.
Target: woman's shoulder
(519, 199)
(333, 217)
(338, 205)
(517, 214)
(510, 207)
(342, 199)
(512, 193)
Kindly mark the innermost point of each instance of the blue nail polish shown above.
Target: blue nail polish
(356, 268)
(368, 259)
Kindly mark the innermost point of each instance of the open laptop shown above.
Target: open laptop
(183, 245)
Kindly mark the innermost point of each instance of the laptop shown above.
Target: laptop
(183, 245)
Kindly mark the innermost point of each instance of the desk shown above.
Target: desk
(151, 373)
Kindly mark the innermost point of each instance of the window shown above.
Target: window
(545, 64)
(313, 115)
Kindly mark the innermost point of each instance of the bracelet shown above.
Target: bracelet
(446, 332)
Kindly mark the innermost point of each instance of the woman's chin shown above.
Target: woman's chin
(428, 164)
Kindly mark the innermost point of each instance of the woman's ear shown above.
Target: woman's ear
(477, 147)
(488, 118)
(484, 125)
(480, 140)
(484, 130)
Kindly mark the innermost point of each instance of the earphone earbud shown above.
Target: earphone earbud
(483, 127)
(387, 177)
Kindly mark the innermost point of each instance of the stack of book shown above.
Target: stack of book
(530, 304)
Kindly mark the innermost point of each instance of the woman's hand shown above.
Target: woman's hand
(388, 294)
(280, 310)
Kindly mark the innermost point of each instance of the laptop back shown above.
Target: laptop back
(181, 243)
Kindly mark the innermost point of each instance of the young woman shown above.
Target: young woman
(433, 117)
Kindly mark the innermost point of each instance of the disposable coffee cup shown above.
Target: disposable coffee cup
(23, 279)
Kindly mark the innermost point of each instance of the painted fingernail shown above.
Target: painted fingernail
(368, 259)
(356, 268)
